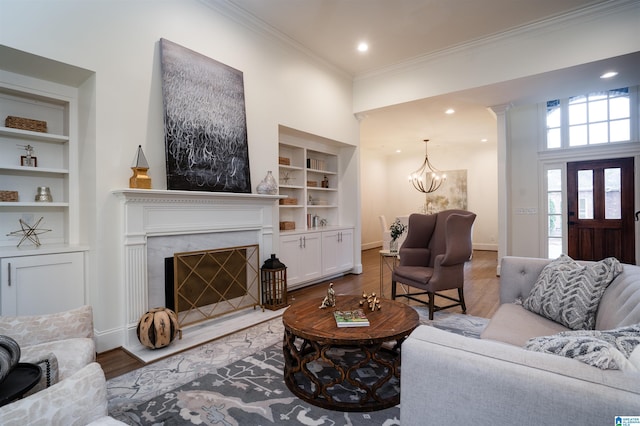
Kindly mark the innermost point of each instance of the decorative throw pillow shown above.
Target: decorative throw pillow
(569, 293)
(608, 350)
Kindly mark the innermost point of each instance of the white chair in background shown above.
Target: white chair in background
(386, 234)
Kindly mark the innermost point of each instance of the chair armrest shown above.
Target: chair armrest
(35, 329)
(77, 400)
(505, 384)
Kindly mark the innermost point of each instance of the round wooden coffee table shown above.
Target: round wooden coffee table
(346, 369)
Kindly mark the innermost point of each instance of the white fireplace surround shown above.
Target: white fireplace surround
(146, 214)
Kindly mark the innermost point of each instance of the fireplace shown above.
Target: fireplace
(202, 285)
(158, 223)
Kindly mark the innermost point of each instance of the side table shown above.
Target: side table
(388, 260)
(18, 382)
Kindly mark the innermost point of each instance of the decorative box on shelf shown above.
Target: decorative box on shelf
(26, 124)
(8, 195)
(312, 183)
(288, 201)
(287, 226)
(284, 161)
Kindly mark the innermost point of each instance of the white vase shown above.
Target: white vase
(268, 186)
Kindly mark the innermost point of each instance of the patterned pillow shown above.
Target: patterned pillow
(569, 293)
(608, 350)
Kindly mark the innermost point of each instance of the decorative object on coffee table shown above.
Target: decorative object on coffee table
(29, 232)
(140, 166)
(158, 328)
(329, 300)
(371, 300)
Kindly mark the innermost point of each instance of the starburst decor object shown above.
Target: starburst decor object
(427, 178)
(29, 232)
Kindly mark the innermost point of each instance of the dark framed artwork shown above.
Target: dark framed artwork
(205, 123)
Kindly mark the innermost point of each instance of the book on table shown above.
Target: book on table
(354, 318)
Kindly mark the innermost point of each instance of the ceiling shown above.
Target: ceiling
(402, 30)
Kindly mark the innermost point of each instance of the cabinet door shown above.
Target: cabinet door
(311, 259)
(36, 285)
(337, 251)
(302, 255)
(290, 253)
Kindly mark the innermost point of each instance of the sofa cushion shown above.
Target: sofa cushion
(515, 325)
(72, 354)
(569, 293)
(607, 350)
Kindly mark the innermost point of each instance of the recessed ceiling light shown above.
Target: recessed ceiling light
(450, 111)
(363, 47)
(483, 140)
(609, 74)
(398, 151)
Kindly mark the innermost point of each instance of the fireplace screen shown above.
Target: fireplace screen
(207, 284)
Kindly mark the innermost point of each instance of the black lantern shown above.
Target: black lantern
(274, 284)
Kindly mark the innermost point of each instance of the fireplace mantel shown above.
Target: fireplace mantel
(149, 213)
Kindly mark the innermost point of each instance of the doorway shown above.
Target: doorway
(600, 206)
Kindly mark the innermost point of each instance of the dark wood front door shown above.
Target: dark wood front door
(600, 206)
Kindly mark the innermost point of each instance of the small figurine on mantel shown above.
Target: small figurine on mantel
(371, 300)
(329, 300)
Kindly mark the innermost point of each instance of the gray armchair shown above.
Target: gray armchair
(433, 255)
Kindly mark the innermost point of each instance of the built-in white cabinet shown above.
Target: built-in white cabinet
(337, 251)
(43, 284)
(302, 254)
(316, 229)
(50, 276)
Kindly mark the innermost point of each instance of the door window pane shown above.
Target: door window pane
(585, 194)
(612, 209)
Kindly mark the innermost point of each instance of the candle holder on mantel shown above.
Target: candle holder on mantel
(140, 167)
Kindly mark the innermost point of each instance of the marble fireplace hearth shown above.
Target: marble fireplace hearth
(158, 223)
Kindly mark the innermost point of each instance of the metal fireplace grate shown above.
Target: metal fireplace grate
(211, 283)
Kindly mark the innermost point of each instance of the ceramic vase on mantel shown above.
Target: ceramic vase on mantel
(268, 186)
(393, 246)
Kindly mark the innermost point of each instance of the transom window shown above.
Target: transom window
(592, 119)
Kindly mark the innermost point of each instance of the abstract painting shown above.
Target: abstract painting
(451, 195)
(205, 123)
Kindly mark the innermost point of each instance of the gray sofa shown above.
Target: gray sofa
(493, 380)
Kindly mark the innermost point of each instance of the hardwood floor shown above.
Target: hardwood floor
(481, 297)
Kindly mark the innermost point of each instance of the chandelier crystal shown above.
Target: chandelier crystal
(427, 178)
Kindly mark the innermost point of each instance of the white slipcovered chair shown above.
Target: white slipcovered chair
(72, 390)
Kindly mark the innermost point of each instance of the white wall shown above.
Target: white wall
(119, 41)
(386, 190)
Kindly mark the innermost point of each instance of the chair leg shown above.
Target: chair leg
(432, 305)
(461, 295)
(393, 290)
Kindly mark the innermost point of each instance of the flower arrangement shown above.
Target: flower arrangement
(397, 228)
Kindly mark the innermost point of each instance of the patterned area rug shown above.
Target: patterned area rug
(238, 380)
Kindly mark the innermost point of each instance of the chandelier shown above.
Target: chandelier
(427, 178)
